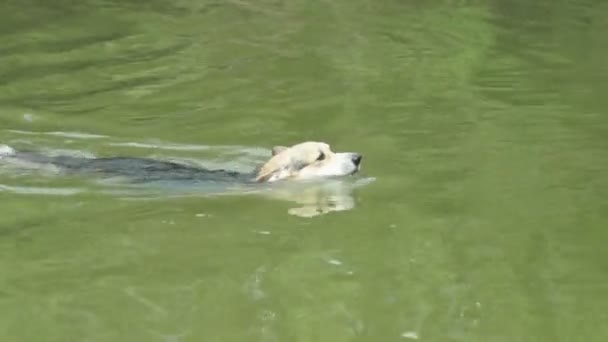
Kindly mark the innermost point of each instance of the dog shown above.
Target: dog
(308, 160)
(309, 174)
(303, 161)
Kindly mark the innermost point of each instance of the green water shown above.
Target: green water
(483, 123)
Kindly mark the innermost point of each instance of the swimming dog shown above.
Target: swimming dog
(303, 161)
(307, 160)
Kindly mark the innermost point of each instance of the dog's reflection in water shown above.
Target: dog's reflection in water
(314, 198)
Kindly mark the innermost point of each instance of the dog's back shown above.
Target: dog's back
(307, 160)
(134, 168)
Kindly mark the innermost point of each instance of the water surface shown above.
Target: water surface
(482, 122)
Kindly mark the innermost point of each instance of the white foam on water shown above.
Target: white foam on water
(29, 117)
(176, 147)
(6, 151)
(17, 131)
(74, 135)
(28, 190)
(224, 149)
(69, 153)
(412, 335)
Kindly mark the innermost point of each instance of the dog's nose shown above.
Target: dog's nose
(357, 159)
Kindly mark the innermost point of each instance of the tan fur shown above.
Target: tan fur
(287, 161)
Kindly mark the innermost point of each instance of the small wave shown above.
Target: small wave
(74, 135)
(77, 135)
(230, 149)
(68, 152)
(223, 149)
(177, 147)
(17, 131)
(28, 190)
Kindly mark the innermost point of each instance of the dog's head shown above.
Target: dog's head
(307, 160)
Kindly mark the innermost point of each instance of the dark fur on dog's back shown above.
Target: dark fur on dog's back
(136, 169)
(303, 161)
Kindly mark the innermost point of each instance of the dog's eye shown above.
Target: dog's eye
(321, 156)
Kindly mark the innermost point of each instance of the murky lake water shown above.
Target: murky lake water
(484, 130)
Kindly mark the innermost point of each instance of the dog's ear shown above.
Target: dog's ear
(278, 166)
(272, 175)
(278, 149)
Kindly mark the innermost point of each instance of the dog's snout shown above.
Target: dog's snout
(357, 158)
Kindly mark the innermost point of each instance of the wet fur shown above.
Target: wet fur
(306, 161)
(301, 161)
